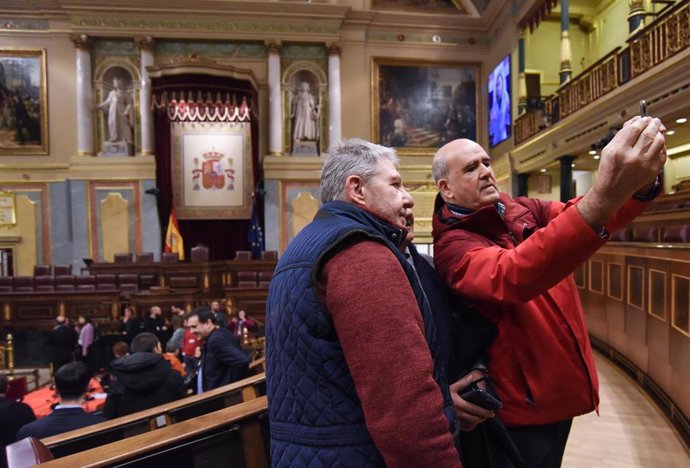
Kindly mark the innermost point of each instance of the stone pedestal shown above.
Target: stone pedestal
(305, 148)
(117, 148)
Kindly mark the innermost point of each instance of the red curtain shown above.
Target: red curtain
(222, 237)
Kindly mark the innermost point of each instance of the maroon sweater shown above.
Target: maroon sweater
(380, 329)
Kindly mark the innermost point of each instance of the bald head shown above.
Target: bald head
(462, 171)
(439, 166)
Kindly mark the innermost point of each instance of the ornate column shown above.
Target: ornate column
(522, 80)
(636, 16)
(334, 106)
(145, 44)
(566, 55)
(566, 177)
(275, 109)
(84, 95)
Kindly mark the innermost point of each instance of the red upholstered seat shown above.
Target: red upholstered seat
(16, 388)
(265, 278)
(269, 255)
(41, 270)
(645, 234)
(246, 279)
(85, 283)
(44, 283)
(64, 283)
(5, 284)
(123, 257)
(622, 235)
(128, 282)
(145, 257)
(23, 283)
(27, 452)
(62, 270)
(169, 257)
(199, 254)
(243, 255)
(679, 233)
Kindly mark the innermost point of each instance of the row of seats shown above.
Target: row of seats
(52, 270)
(126, 282)
(666, 234)
(196, 254)
(253, 279)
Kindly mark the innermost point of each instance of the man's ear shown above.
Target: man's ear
(354, 190)
(445, 190)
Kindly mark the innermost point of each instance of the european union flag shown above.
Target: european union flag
(256, 234)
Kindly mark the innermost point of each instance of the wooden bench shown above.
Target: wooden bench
(232, 437)
(154, 418)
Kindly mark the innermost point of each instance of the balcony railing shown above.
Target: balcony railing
(663, 38)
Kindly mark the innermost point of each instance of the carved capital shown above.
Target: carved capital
(636, 6)
(334, 49)
(273, 47)
(81, 41)
(144, 43)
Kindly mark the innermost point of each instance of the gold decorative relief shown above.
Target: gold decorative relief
(26, 231)
(115, 224)
(304, 207)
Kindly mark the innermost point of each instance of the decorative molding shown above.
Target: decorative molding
(334, 50)
(12, 24)
(219, 51)
(226, 26)
(426, 38)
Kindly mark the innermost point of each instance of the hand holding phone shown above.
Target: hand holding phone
(480, 397)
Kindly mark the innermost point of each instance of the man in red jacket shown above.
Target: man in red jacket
(514, 258)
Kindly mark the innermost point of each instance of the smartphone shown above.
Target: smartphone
(643, 109)
(482, 398)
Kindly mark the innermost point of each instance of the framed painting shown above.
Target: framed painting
(23, 102)
(419, 106)
(212, 170)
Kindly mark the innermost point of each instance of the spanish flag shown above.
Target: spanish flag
(173, 238)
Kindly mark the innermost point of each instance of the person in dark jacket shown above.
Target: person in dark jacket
(144, 379)
(61, 342)
(13, 415)
(71, 382)
(222, 359)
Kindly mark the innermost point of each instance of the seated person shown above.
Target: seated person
(13, 415)
(120, 349)
(71, 382)
(143, 379)
(172, 355)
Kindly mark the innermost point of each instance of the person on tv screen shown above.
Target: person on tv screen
(499, 114)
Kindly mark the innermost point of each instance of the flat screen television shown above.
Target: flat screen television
(500, 122)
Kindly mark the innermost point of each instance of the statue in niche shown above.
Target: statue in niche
(118, 107)
(305, 112)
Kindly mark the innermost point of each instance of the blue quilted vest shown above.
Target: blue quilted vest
(316, 418)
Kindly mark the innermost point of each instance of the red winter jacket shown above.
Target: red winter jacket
(519, 275)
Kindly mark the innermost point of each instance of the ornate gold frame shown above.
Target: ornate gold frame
(6, 56)
(182, 210)
(377, 62)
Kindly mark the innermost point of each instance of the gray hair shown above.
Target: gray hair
(439, 167)
(351, 157)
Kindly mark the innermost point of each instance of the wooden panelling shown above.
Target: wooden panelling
(596, 276)
(655, 279)
(657, 294)
(636, 286)
(681, 303)
(615, 280)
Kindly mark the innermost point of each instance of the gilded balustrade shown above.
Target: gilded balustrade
(663, 38)
(658, 41)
